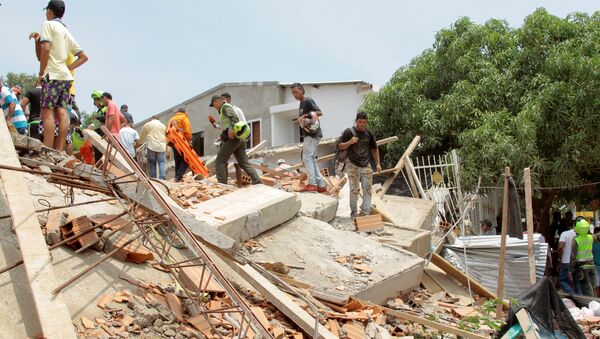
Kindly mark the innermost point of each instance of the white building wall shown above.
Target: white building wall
(338, 102)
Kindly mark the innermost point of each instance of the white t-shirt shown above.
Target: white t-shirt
(239, 113)
(567, 238)
(128, 137)
(62, 42)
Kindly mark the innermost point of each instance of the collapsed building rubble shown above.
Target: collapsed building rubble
(255, 261)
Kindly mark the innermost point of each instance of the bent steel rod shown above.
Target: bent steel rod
(73, 237)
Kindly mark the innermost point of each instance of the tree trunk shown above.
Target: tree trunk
(541, 212)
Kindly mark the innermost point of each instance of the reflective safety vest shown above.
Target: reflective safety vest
(224, 121)
(585, 244)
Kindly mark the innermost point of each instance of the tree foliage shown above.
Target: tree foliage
(524, 97)
(26, 81)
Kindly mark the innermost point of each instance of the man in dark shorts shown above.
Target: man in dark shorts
(33, 98)
(53, 46)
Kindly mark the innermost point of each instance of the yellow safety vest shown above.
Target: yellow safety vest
(585, 244)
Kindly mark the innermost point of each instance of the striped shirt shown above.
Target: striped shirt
(7, 98)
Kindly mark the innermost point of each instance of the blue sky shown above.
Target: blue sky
(152, 54)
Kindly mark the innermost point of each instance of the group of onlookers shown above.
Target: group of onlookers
(53, 117)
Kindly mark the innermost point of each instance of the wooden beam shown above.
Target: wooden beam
(319, 159)
(332, 155)
(279, 299)
(530, 330)
(430, 323)
(500, 290)
(457, 274)
(529, 214)
(53, 314)
(102, 145)
(388, 182)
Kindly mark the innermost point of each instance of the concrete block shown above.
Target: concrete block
(411, 212)
(318, 206)
(413, 240)
(315, 245)
(247, 212)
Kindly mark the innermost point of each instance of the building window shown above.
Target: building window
(198, 143)
(254, 138)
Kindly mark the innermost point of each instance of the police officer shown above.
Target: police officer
(233, 135)
(582, 259)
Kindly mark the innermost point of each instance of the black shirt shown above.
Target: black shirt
(306, 106)
(360, 152)
(35, 101)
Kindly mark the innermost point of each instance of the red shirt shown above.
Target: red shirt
(113, 110)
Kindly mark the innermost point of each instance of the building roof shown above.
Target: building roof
(256, 83)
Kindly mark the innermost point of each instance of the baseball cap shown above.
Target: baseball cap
(214, 97)
(280, 161)
(57, 7)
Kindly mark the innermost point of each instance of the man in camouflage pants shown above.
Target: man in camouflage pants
(361, 145)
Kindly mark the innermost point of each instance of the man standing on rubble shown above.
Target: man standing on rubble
(130, 139)
(582, 258)
(181, 122)
(53, 46)
(232, 141)
(13, 112)
(114, 120)
(565, 275)
(153, 135)
(308, 120)
(361, 144)
(33, 98)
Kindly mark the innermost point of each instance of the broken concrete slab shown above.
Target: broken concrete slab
(411, 212)
(314, 245)
(25, 142)
(413, 240)
(318, 206)
(247, 212)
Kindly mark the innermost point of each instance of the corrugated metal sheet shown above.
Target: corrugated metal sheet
(483, 257)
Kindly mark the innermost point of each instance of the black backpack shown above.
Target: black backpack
(341, 156)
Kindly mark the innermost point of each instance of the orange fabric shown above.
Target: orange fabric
(181, 122)
(87, 153)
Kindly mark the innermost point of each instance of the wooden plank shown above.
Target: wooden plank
(278, 298)
(411, 181)
(260, 315)
(430, 284)
(446, 283)
(430, 323)
(334, 327)
(332, 155)
(530, 330)
(354, 330)
(53, 316)
(500, 289)
(457, 274)
(101, 145)
(529, 214)
(388, 182)
(379, 207)
(412, 173)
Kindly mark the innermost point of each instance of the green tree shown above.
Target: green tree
(524, 97)
(26, 81)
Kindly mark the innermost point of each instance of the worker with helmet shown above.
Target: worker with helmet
(582, 258)
(100, 113)
(233, 135)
